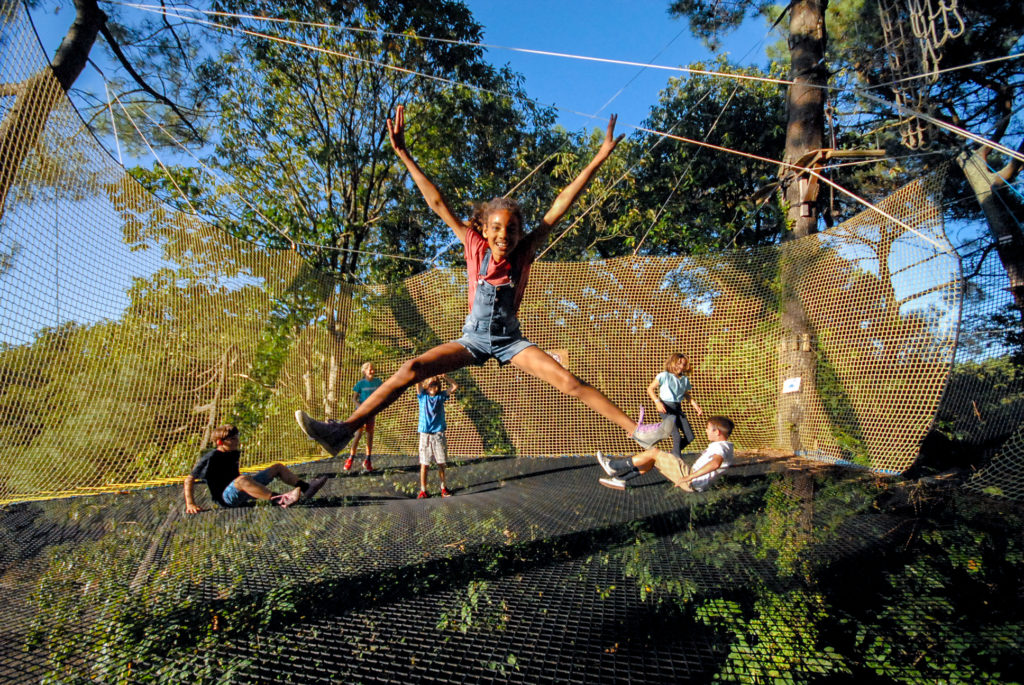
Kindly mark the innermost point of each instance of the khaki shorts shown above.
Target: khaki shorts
(433, 445)
(673, 469)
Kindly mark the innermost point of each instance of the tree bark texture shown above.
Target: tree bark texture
(37, 95)
(1003, 212)
(805, 131)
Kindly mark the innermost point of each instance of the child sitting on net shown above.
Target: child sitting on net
(498, 260)
(229, 488)
(709, 466)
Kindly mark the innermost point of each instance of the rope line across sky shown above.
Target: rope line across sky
(182, 14)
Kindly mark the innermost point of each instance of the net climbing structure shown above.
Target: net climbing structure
(128, 330)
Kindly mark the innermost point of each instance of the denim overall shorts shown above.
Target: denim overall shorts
(492, 329)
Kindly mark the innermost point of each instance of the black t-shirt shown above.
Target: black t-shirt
(218, 469)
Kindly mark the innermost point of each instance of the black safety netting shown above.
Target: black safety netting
(532, 572)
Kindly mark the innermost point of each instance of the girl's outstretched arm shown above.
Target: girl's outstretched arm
(568, 195)
(396, 133)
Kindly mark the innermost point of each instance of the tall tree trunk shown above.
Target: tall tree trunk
(1003, 212)
(805, 131)
(37, 95)
(339, 308)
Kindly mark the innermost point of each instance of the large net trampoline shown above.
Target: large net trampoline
(129, 330)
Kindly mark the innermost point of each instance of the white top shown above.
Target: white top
(722, 448)
(672, 388)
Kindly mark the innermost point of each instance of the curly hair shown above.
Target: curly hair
(484, 209)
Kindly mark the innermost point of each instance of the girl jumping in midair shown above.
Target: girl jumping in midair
(498, 260)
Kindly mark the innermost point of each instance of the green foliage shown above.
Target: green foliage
(476, 611)
(778, 641)
(959, 636)
(709, 20)
(304, 142)
(983, 400)
(691, 200)
(842, 415)
(859, 595)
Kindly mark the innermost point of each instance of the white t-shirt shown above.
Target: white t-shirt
(722, 448)
(672, 388)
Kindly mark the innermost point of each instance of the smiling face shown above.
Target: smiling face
(680, 366)
(369, 371)
(502, 232)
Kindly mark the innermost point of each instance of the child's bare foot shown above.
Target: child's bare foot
(287, 499)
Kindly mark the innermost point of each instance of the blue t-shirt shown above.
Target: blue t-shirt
(432, 412)
(672, 388)
(364, 388)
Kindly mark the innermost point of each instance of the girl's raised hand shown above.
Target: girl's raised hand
(610, 141)
(396, 129)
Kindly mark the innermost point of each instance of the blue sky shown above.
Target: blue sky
(633, 31)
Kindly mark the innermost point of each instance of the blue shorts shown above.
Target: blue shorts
(233, 497)
(483, 344)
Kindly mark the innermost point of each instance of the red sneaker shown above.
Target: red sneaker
(348, 464)
(367, 465)
(423, 495)
(445, 493)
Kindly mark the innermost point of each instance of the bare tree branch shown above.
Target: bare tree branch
(116, 48)
(181, 47)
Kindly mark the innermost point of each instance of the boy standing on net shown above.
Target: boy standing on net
(709, 466)
(363, 388)
(228, 488)
(432, 427)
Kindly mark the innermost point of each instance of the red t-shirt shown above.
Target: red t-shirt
(498, 272)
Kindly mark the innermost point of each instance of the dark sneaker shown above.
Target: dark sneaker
(613, 483)
(331, 436)
(348, 464)
(367, 465)
(314, 487)
(649, 435)
(605, 463)
(445, 493)
(423, 495)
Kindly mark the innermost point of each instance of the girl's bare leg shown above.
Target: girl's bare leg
(539, 364)
(441, 359)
